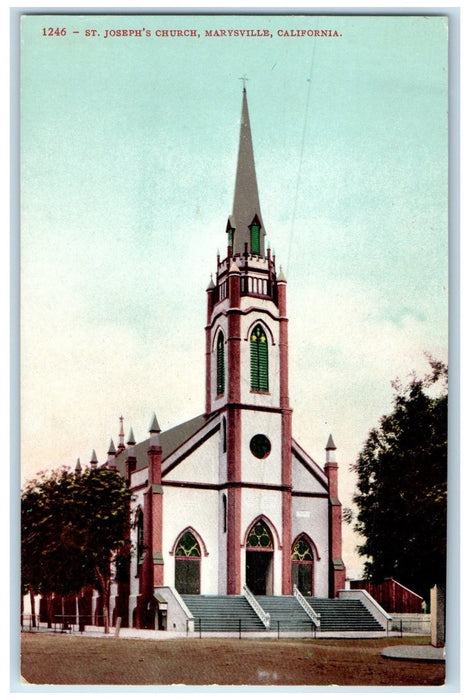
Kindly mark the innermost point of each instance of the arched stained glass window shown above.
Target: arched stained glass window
(259, 536)
(302, 566)
(302, 551)
(259, 359)
(188, 546)
(188, 564)
(220, 364)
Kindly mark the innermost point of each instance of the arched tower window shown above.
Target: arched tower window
(302, 565)
(188, 564)
(259, 359)
(220, 364)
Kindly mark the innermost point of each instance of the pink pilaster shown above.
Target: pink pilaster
(233, 435)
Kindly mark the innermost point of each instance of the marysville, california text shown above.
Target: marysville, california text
(212, 33)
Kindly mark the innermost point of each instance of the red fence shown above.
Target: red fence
(392, 596)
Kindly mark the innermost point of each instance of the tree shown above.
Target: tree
(74, 527)
(401, 495)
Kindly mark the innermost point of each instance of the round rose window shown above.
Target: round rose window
(260, 446)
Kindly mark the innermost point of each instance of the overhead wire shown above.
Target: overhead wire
(302, 146)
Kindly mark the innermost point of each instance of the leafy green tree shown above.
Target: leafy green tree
(74, 527)
(401, 495)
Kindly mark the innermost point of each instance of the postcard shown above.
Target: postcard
(234, 348)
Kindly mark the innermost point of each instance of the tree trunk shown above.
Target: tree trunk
(49, 609)
(33, 606)
(104, 585)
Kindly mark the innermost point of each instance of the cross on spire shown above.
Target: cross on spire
(244, 78)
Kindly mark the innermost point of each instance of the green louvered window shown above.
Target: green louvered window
(255, 239)
(259, 359)
(220, 364)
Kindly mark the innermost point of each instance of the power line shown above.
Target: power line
(296, 195)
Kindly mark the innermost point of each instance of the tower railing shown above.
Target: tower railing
(264, 616)
(307, 607)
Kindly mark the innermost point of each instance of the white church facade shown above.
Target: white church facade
(229, 499)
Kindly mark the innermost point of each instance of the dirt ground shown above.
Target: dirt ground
(69, 660)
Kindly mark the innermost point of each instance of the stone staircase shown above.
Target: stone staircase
(338, 615)
(223, 613)
(287, 615)
(233, 613)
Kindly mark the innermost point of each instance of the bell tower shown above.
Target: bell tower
(247, 382)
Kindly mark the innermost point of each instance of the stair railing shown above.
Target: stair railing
(315, 617)
(264, 616)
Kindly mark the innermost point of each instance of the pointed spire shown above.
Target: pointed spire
(246, 200)
(121, 433)
(111, 448)
(154, 427)
(330, 445)
(211, 284)
(282, 278)
(78, 467)
(93, 459)
(330, 451)
(131, 438)
(154, 431)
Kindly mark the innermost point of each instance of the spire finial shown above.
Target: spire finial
(244, 78)
(121, 432)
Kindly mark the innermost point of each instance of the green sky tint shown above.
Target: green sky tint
(128, 156)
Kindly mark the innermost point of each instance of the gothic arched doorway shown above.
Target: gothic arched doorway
(302, 565)
(259, 559)
(188, 564)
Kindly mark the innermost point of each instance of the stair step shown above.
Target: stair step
(229, 613)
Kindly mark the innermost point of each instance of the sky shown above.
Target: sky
(128, 159)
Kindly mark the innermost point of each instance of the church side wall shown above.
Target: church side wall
(197, 509)
(138, 502)
(310, 515)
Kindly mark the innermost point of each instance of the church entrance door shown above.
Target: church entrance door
(259, 572)
(259, 559)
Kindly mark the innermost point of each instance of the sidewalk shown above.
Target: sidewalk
(416, 653)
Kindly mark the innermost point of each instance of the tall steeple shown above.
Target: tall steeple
(245, 226)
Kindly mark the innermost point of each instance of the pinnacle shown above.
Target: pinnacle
(154, 427)
(330, 445)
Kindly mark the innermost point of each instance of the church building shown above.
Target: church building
(229, 501)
